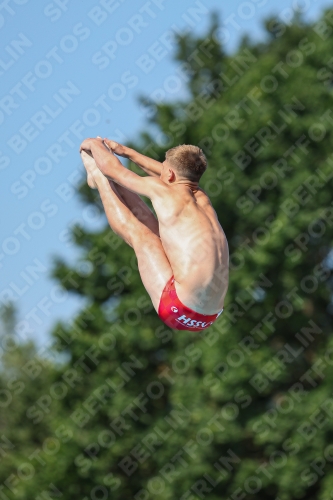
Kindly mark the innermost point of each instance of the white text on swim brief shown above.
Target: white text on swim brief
(193, 322)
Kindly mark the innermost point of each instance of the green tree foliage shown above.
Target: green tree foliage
(243, 410)
(25, 378)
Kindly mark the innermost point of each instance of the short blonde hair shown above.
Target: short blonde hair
(188, 161)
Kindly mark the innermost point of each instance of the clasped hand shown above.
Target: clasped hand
(114, 147)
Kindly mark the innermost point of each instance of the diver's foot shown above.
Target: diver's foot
(93, 172)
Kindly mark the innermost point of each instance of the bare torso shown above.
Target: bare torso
(196, 247)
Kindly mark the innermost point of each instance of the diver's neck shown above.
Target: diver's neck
(187, 183)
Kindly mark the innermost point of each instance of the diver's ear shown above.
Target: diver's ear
(171, 176)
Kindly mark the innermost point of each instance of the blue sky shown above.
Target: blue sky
(70, 72)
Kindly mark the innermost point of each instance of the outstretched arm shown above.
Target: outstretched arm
(113, 169)
(148, 165)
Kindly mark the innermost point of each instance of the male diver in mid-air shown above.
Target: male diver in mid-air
(182, 255)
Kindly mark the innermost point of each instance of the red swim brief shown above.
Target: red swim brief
(177, 316)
